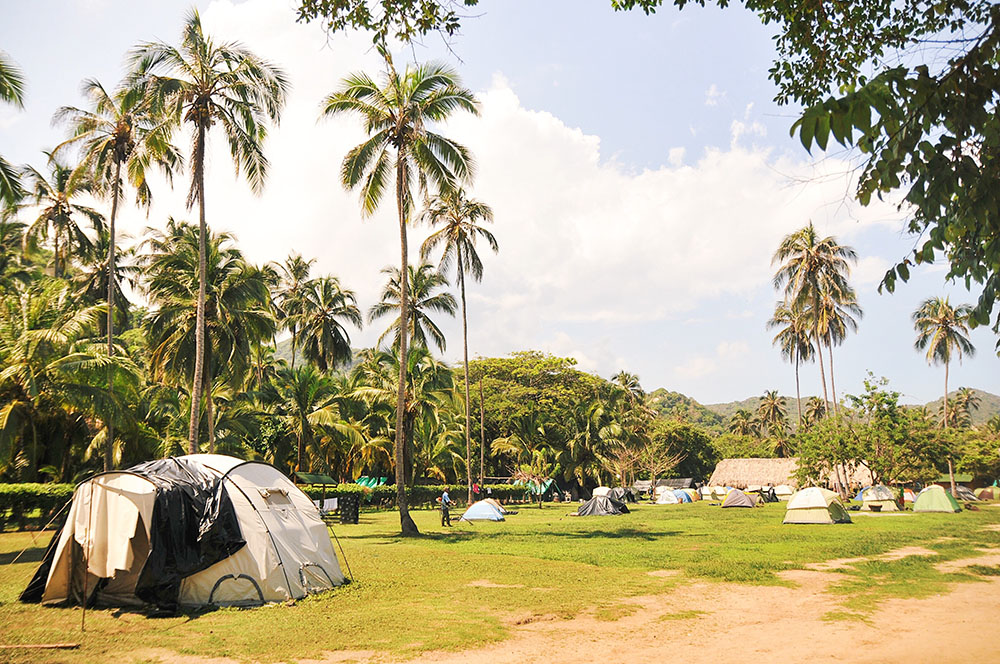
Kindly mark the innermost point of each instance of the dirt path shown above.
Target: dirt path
(722, 622)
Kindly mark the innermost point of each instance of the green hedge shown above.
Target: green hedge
(34, 504)
(385, 496)
(31, 504)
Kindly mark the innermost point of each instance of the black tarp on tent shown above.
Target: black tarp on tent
(194, 526)
(602, 506)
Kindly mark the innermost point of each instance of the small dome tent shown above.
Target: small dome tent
(736, 498)
(935, 499)
(666, 497)
(482, 511)
(197, 530)
(880, 496)
(815, 505)
(602, 506)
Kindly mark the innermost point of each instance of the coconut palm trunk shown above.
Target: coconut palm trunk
(209, 401)
(199, 330)
(833, 386)
(110, 442)
(822, 371)
(951, 469)
(482, 435)
(406, 524)
(798, 391)
(465, 356)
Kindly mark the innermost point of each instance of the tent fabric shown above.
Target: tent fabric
(682, 496)
(963, 493)
(602, 506)
(601, 491)
(935, 499)
(197, 530)
(667, 497)
(815, 505)
(482, 511)
(495, 503)
(909, 496)
(880, 496)
(692, 494)
(736, 498)
(988, 493)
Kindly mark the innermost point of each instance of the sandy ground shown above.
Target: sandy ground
(728, 622)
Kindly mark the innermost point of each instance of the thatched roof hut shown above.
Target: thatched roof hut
(741, 473)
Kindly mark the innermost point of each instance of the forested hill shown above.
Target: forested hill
(989, 405)
(674, 405)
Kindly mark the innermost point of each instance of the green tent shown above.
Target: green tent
(935, 499)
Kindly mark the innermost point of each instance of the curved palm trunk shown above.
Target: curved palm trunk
(109, 444)
(199, 328)
(465, 356)
(209, 402)
(798, 392)
(482, 436)
(293, 346)
(833, 386)
(406, 524)
(55, 255)
(951, 469)
(822, 370)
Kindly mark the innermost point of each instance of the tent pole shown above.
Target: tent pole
(86, 559)
(344, 555)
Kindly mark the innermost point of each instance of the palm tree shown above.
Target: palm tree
(815, 410)
(423, 297)
(120, 131)
(11, 92)
(397, 116)
(204, 83)
(810, 266)
(299, 395)
(744, 423)
(457, 217)
(794, 340)
(966, 401)
(325, 307)
(838, 314)
(237, 309)
(294, 277)
(61, 216)
(944, 331)
(771, 412)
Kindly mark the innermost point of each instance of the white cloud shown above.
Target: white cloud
(699, 366)
(585, 242)
(713, 95)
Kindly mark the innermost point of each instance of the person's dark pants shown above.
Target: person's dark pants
(445, 516)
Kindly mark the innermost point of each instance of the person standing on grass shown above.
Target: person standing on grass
(445, 503)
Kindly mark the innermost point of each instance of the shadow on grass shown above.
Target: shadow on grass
(625, 533)
(32, 555)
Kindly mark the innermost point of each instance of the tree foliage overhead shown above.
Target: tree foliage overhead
(404, 20)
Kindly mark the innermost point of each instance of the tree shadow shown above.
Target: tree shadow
(625, 533)
(32, 555)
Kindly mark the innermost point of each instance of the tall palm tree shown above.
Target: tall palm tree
(294, 277)
(457, 217)
(815, 410)
(120, 131)
(11, 92)
(61, 216)
(794, 339)
(237, 310)
(203, 84)
(810, 265)
(324, 309)
(423, 296)
(397, 115)
(771, 412)
(943, 330)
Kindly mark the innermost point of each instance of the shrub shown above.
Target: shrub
(31, 503)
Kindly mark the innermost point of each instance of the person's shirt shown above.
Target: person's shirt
(445, 500)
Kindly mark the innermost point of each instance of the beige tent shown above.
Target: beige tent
(198, 530)
(601, 491)
(495, 503)
(880, 497)
(783, 491)
(815, 505)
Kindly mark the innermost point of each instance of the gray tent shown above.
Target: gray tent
(963, 493)
(602, 506)
(736, 498)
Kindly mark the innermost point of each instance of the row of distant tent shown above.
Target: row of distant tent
(371, 482)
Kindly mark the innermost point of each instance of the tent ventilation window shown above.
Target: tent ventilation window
(235, 578)
(275, 496)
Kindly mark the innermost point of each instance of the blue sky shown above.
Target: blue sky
(640, 174)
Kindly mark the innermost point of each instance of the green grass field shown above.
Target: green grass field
(461, 587)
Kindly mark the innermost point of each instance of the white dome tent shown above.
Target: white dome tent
(191, 531)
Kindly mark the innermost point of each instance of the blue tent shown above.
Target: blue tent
(682, 496)
(860, 497)
(482, 511)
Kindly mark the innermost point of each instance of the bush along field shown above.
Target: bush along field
(465, 586)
